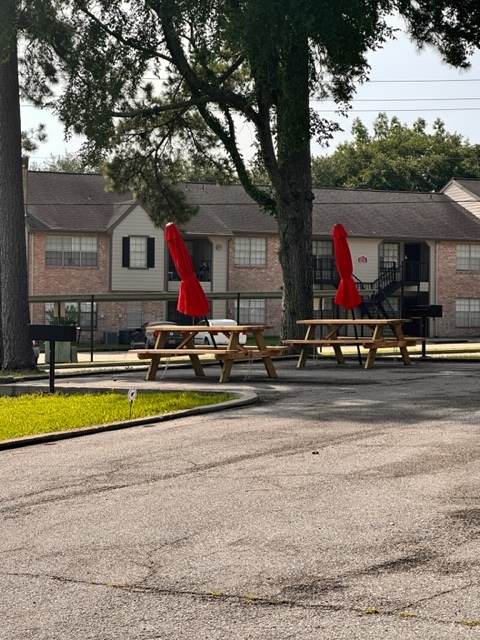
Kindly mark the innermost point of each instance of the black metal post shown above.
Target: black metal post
(92, 302)
(52, 366)
(424, 335)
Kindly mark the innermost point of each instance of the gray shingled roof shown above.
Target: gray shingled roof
(393, 214)
(79, 202)
(364, 213)
(71, 202)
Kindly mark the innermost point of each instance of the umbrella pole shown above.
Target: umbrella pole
(213, 340)
(211, 335)
(356, 338)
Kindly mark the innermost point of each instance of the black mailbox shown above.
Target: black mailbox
(53, 332)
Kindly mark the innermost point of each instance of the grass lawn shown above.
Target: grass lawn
(33, 414)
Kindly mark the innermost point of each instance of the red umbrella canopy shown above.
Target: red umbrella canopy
(192, 300)
(347, 294)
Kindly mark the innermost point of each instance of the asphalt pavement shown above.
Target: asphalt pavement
(342, 504)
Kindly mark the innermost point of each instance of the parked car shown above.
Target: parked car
(173, 340)
(205, 338)
(36, 349)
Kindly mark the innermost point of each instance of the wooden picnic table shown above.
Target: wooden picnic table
(374, 341)
(226, 355)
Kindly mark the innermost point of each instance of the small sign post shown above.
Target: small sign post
(132, 396)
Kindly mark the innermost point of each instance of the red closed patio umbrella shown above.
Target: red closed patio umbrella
(347, 296)
(192, 300)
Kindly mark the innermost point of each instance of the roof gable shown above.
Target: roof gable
(71, 202)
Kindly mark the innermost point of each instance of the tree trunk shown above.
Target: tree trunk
(294, 192)
(17, 352)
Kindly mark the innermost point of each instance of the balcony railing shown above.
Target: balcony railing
(203, 272)
(325, 271)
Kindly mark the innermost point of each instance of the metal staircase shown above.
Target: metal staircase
(392, 278)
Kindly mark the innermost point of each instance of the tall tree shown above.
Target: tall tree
(398, 157)
(15, 346)
(218, 62)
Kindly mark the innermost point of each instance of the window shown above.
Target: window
(468, 257)
(322, 248)
(251, 311)
(250, 252)
(467, 312)
(138, 252)
(134, 314)
(389, 255)
(71, 251)
(77, 313)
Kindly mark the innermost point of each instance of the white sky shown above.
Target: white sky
(403, 82)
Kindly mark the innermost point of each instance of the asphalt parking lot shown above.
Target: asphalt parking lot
(343, 504)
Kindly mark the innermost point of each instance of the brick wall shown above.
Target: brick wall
(453, 284)
(45, 280)
(267, 278)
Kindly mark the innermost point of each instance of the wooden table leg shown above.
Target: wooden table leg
(197, 365)
(302, 358)
(267, 360)
(338, 353)
(403, 350)
(155, 361)
(332, 334)
(226, 370)
(372, 352)
(153, 368)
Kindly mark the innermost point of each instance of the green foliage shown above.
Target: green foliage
(28, 415)
(68, 163)
(398, 157)
(31, 137)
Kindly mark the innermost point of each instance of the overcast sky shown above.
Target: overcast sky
(403, 82)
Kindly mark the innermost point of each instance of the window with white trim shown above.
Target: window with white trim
(467, 312)
(468, 257)
(389, 253)
(138, 252)
(71, 251)
(251, 311)
(250, 252)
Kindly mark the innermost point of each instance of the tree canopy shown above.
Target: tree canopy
(158, 82)
(398, 157)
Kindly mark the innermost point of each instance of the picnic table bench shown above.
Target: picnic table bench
(373, 342)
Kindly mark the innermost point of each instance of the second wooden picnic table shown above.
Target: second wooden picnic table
(227, 355)
(374, 341)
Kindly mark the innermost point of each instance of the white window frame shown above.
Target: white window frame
(468, 257)
(138, 252)
(71, 251)
(467, 312)
(250, 311)
(250, 252)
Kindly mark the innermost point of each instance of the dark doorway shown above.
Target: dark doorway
(416, 262)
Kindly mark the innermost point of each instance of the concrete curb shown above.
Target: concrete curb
(243, 399)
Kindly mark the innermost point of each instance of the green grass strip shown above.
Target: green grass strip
(33, 414)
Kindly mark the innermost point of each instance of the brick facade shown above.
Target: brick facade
(453, 284)
(253, 278)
